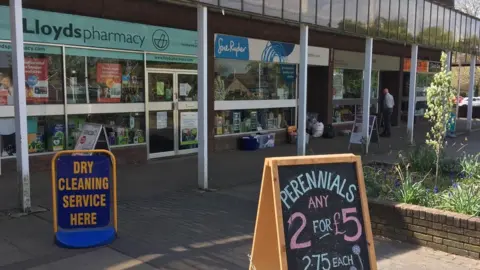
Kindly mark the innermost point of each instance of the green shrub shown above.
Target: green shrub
(407, 189)
(420, 159)
(463, 198)
(377, 181)
(470, 166)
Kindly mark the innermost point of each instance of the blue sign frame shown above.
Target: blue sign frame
(84, 193)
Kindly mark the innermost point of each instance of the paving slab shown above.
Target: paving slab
(104, 258)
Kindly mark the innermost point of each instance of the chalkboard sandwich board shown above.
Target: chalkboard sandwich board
(313, 214)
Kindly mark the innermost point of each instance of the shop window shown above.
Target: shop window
(410, 15)
(254, 6)
(420, 7)
(374, 17)
(337, 15)
(384, 18)
(253, 80)
(350, 15)
(323, 12)
(43, 75)
(434, 31)
(308, 11)
(45, 134)
(423, 82)
(122, 128)
(348, 84)
(446, 28)
(273, 8)
(246, 121)
(394, 22)
(439, 41)
(425, 34)
(104, 77)
(344, 113)
(362, 16)
(291, 10)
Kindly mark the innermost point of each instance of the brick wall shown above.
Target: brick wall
(441, 230)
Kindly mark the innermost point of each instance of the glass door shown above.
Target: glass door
(161, 116)
(172, 113)
(187, 112)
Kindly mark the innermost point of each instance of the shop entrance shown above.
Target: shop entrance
(172, 112)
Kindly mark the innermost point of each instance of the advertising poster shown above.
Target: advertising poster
(36, 76)
(162, 120)
(109, 76)
(6, 90)
(188, 128)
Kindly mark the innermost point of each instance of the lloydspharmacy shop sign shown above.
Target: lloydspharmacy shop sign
(57, 28)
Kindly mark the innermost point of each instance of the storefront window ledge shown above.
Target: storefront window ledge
(7, 111)
(105, 108)
(250, 133)
(343, 123)
(253, 104)
(31, 155)
(127, 145)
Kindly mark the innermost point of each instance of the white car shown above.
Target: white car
(475, 102)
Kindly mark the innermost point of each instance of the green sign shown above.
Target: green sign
(57, 28)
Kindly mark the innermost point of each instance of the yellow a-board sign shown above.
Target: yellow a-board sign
(313, 214)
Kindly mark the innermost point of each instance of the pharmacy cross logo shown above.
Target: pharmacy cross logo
(160, 40)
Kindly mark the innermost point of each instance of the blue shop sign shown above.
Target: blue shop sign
(231, 47)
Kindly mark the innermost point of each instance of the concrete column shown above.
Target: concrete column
(302, 91)
(471, 88)
(21, 139)
(411, 92)
(367, 90)
(202, 27)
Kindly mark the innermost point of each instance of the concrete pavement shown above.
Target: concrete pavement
(165, 223)
(181, 231)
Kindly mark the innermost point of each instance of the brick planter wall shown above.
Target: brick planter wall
(441, 230)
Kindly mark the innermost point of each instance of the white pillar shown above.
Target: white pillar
(411, 92)
(21, 140)
(470, 92)
(202, 26)
(302, 91)
(449, 61)
(367, 90)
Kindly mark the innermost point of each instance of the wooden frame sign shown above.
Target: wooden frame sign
(313, 215)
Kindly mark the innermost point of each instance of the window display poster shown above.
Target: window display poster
(162, 120)
(109, 76)
(188, 128)
(6, 90)
(36, 79)
(185, 89)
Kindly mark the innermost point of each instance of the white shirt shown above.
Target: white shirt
(389, 102)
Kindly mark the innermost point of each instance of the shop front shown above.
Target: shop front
(255, 87)
(138, 80)
(426, 71)
(348, 84)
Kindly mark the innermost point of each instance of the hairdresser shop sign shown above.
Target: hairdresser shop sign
(50, 27)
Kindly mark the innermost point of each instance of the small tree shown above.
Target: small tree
(440, 101)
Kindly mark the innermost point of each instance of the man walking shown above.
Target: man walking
(388, 103)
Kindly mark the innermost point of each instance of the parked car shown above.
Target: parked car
(475, 101)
